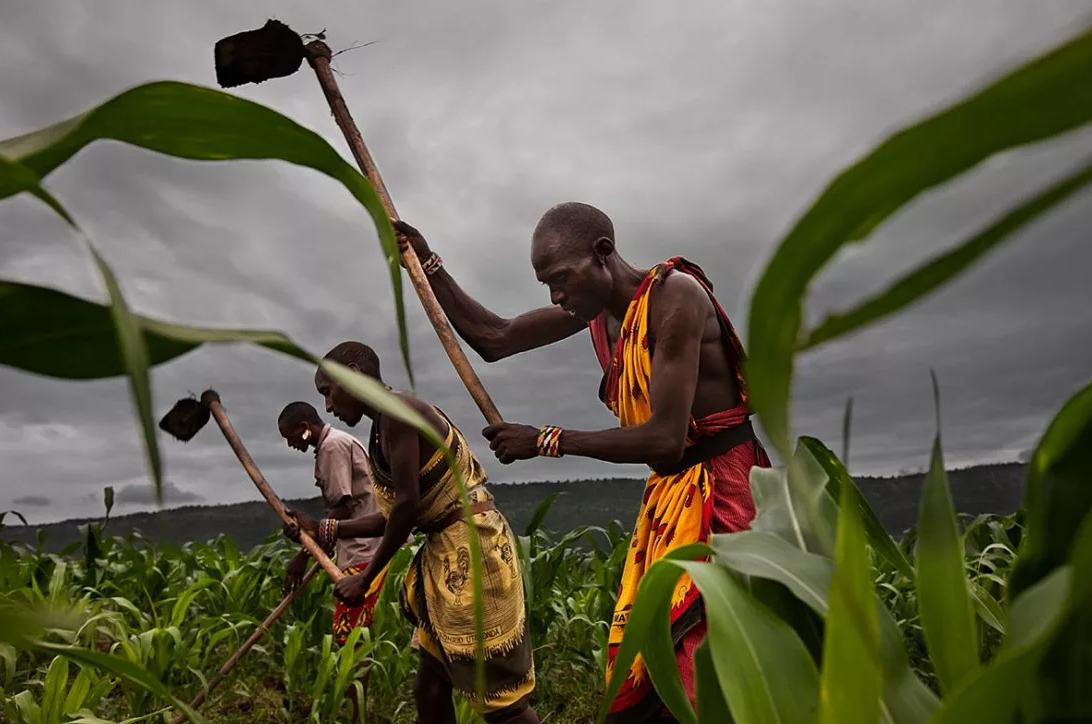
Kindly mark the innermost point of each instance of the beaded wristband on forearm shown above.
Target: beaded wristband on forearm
(549, 441)
(432, 264)
(327, 534)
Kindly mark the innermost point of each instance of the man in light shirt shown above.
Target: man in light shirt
(343, 475)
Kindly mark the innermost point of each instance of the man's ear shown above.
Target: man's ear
(603, 247)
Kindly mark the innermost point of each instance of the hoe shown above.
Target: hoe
(256, 56)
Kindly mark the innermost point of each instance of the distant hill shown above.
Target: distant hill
(980, 489)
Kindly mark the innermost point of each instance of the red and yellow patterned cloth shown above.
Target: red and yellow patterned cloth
(676, 510)
(347, 617)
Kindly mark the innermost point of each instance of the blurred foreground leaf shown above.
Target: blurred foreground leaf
(944, 598)
(852, 673)
(1041, 99)
(202, 124)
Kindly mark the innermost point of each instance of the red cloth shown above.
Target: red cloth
(733, 505)
(347, 617)
(733, 511)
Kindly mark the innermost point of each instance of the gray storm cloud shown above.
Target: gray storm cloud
(704, 133)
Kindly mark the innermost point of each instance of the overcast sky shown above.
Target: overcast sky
(704, 129)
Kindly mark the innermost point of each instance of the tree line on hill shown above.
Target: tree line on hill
(996, 488)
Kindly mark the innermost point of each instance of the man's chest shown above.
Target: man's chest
(613, 328)
(709, 340)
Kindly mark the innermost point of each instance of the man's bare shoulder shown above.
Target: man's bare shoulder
(680, 293)
(415, 403)
(419, 406)
(681, 287)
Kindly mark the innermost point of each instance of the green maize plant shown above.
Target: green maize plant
(176, 612)
(997, 617)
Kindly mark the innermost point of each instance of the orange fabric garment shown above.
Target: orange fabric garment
(676, 510)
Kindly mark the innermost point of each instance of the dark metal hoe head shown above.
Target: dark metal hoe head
(186, 418)
(272, 51)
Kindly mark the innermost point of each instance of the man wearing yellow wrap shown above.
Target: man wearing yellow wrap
(671, 374)
(415, 488)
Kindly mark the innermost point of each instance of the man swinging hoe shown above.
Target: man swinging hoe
(414, 488)
(671, 374)
(343, 478)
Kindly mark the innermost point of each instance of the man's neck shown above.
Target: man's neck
(317, 434)
(626, 280)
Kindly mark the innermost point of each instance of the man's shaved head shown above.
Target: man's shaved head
(299, 425)
(339, 401)
(357, 354)
(297, 413)
(575, 225)
(571, 249)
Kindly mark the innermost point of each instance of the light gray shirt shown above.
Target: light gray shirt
(342, 470)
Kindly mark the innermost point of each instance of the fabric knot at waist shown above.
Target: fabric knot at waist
(716, 435)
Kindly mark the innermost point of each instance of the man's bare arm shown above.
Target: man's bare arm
(403, 443)
(677, 329)
(493, 337)
(366, 526)
(371, 525)
(294, 571)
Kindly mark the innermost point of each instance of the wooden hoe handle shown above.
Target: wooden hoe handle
(212, 400)
(318, 55)
(262, 629)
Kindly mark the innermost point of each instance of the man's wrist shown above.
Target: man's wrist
(327, 534)
(431, 263)
(569, 443)
(549, 441)
(367, 574)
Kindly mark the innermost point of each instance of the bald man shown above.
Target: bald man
(672, 375)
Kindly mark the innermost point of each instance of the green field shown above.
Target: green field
(180, 611)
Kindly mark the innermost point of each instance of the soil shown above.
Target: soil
(254, 56)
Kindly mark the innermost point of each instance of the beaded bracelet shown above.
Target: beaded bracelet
(549, 441)
(432, 264)
(327, 534)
